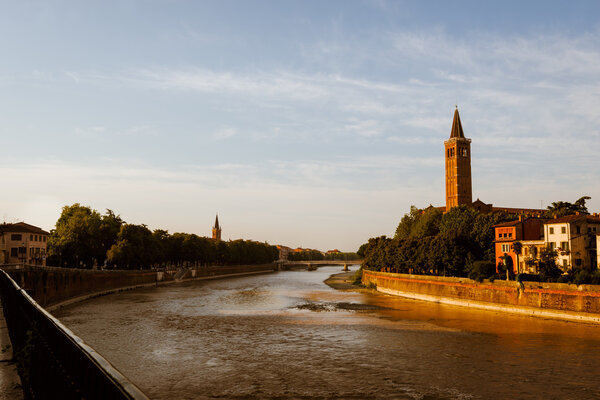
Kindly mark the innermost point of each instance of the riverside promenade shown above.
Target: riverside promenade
(10, 384)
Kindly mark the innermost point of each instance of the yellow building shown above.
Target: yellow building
(21, 243)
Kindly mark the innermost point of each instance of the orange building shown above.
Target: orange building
(22, 243)
(522, 230)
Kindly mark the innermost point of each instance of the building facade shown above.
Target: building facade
(574, 237)
(458, 166)
(527, 231)
(21, 243)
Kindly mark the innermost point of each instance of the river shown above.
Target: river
(287, 335)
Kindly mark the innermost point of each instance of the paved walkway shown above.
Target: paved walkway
(10, 384)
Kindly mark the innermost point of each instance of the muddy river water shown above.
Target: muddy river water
(287, 335)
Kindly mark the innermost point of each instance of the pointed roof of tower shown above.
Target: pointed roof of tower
(217, 222)
(457, 130)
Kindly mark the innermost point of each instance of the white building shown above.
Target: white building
(575, 238)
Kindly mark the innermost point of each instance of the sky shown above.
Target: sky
(303, 123)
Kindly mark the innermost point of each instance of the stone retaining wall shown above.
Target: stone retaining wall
(545, 299)
(49, 286)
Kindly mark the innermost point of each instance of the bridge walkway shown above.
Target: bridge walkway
(10, 383)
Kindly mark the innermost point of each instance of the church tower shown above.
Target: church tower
(216, 231)
(458, 166)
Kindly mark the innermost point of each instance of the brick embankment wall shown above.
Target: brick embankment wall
(556, 300)
(50, 286)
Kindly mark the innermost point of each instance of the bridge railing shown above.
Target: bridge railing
(53, 362)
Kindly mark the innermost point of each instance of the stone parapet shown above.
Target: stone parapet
(555, 300)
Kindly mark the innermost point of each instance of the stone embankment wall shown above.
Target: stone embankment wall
(51, 286)
(555, 300)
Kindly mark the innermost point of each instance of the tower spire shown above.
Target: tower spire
(216, 230)
(457, 130)
(458, 166)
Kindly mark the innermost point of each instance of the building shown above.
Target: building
(284, 252)
(21, 243)
(216, 230)
(459, 190)
(458, 166)
(574, 237)
(528, 231)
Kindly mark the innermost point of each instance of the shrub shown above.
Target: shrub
(358, 277)
(523, 277)
(480, 270)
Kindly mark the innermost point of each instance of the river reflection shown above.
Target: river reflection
(288, 335)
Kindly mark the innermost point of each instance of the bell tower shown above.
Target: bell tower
(458, 166)
(216, 230)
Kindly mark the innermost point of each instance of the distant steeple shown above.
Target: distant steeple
(216, 231)
(457, 130)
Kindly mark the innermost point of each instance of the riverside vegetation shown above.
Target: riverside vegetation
(460, 243)
(83, 238)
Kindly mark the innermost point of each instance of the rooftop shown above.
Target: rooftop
(22, 227)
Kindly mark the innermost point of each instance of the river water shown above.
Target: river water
(289, 336)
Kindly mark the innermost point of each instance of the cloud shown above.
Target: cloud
(224, 133)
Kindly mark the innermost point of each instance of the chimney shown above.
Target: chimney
(521, 218)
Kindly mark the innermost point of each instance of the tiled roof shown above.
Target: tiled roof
(457, 130)
(574, 217)
(22, 227)
(504, 224)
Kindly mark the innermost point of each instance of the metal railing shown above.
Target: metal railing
(52, 361)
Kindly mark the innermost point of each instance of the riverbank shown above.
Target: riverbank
(546, 300)
(342, 281)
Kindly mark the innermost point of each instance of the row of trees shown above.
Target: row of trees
(84, 238)
(456, 243)
(433, 243)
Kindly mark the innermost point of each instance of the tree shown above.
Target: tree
(517, 246)
(73, 242)
(560, 208)
(135, 248)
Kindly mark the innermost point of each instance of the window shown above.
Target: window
(31, 237)
(563, 229)
(44, 239)
(505, 248)
(552, 245)
(16, 236)
(551, 231)
(564, 246)
(510, 235)
(14, 252)
(578, 229)
(525, 251)
(564, 262)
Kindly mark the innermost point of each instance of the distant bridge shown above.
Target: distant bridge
(285, 265)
